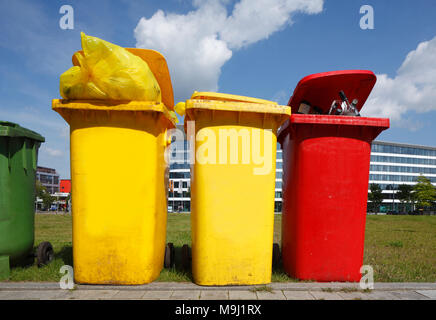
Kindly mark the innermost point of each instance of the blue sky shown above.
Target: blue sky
(248, 49)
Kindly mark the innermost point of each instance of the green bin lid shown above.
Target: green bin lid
(10, 129)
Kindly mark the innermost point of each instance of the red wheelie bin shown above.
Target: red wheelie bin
(325, 187)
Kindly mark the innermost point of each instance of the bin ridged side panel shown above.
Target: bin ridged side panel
(118, 196)
(232, 207)
(17, 196)
(325, 186)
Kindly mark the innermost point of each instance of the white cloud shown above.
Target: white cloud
(197, 44)
(33, 119)
(410, 124)
(252, 21)
(281, 97)
(412, 89)
(52, 152)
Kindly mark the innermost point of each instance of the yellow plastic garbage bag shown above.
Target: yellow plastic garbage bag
(180, 108)
(108, 71)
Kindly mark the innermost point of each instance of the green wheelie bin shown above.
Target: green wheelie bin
(18, 158)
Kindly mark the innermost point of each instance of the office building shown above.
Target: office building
(49, 178)
(391, 164)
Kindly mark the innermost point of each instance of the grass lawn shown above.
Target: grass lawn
(400, 248)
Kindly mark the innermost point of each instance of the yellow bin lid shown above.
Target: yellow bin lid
(64, 107)
(228, 97)
(230, 102)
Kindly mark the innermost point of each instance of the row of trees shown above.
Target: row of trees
(421, 196)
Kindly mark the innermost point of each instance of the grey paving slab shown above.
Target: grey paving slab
(297, 295)
(157, 294)
(381, 295)
(128, 294)
(87, 294)
(157, 285)
(47, 294)
(354, 295)
(185, 295)
(71, 295)
(274, 295)
(409, 295)
(242, 295)
(392, 286)
(214, 295)
(11, 295)
(29, 295)
(290, 286)
(322, 295)
(29, 285)
(172, 290)
(428, 293)
(99, 294)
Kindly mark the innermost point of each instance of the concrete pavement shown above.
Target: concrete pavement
(190, 291)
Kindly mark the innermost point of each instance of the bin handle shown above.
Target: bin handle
(8, 146)
(167, 138)
(34, 155)
(24, 153)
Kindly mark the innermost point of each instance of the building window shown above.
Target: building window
(376, 158)
(385, 177)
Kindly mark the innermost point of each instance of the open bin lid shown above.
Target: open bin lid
(158, 66)
(377, 124)
(321, 89)
(10, 129)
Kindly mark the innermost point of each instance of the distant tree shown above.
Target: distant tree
(405, 194)
(375, 196)
(425, 192)
(44, 195)
(39, 188)
(67, 200)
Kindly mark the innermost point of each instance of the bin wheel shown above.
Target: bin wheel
(276, 255)
(186, 257)
(44, 254)
(169, 255)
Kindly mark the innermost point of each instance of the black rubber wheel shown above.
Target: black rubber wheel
(276, 255)
(44, 254)
(186, 257)
(169, 255)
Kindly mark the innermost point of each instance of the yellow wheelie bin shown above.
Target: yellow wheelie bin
(233, 167)
(119, 179)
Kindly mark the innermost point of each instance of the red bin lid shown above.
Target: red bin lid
(320, 89)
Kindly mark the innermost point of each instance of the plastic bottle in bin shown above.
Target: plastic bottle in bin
(349, 109)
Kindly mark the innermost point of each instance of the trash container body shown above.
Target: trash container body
(119, 177)
(232, 195)
(18, 162)
(325, 188)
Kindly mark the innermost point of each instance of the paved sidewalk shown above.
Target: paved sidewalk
(190, 291)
